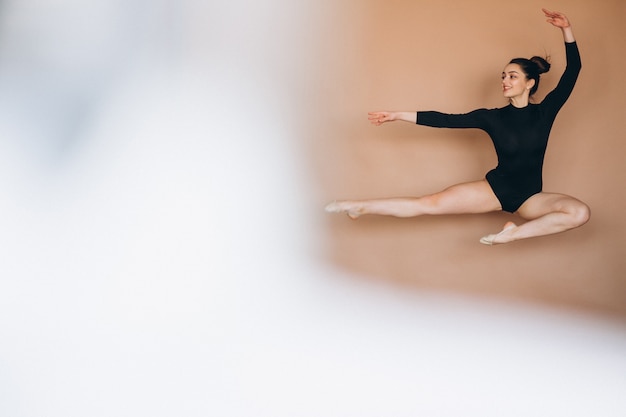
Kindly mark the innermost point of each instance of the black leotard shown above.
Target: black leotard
(519, 135)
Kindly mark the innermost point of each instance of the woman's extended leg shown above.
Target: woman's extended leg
(466, 198)
(547, 213)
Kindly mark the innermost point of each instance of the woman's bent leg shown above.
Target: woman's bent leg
(466, 198)
(548, 214)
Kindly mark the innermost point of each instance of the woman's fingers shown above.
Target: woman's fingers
(556, 18)
(376, 114)
(548, 13)
(552, 15)
(378, 118)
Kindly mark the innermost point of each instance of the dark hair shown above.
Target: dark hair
(533, 68)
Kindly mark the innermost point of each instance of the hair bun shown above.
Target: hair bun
(542, 64)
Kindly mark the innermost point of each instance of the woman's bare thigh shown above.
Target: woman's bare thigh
(544, 203)
(466, 198)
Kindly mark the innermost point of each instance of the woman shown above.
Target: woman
(519, 132)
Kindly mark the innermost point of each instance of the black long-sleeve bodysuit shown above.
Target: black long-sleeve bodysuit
(519, 135)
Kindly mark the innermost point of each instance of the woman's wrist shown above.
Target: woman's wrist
(406, 116)
(568, 34)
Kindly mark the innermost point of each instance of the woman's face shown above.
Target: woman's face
(514, 82)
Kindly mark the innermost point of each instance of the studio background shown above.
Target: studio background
(448, 56)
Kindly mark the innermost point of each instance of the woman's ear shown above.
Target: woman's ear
(530, 84)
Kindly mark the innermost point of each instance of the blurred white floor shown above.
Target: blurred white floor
(158, 247)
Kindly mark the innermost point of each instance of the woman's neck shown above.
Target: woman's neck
(519, 102)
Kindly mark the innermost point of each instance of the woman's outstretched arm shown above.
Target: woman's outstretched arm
(561, 21)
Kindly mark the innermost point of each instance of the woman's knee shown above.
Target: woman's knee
(431, 204)
(580, 213)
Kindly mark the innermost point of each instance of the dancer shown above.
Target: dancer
(519, 133)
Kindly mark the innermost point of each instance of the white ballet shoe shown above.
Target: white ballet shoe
(490, 239)
(333, 208)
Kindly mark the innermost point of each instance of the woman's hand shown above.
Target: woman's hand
(557, 19)
(561, 21)
(379, 117)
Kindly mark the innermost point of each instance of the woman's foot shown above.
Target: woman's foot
(351, 209)
(503, 237)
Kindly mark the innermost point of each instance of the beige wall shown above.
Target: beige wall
(447, 55)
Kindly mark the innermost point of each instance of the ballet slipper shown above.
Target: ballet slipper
(491, 239)
(335, 207)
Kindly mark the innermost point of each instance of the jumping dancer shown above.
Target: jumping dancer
(519, 133)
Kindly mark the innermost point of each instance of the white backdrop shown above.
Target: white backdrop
(159, 240)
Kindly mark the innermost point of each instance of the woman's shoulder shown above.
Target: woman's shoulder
(491, 112)
(485, 111)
